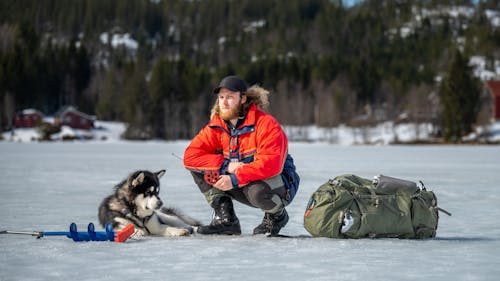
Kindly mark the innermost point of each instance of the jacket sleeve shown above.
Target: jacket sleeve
(204, 152)
(272, 148)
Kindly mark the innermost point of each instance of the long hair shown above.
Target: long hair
(255, 95)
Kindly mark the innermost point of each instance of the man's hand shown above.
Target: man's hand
(233, 166)
(224, 183)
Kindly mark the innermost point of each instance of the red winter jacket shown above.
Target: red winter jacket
(263, 146)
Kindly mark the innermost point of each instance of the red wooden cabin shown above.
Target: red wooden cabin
(28, 118)
(70, 116)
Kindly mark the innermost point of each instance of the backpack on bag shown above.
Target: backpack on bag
(353, 207)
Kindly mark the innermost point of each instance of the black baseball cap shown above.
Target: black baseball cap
(233, 83)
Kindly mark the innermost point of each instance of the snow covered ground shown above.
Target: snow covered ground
(46, 186)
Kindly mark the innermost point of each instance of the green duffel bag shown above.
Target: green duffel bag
(353, 207)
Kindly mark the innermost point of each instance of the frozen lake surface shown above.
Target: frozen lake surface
(47, 186)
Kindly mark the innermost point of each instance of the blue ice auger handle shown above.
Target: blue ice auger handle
(109, 235)
(77, 236)
(91, 234)
(109, 232)
(73, 233)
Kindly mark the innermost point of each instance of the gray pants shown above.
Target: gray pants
(268, 195)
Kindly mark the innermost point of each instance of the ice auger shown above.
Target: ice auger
(89, 235)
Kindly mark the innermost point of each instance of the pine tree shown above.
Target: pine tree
(459, 94)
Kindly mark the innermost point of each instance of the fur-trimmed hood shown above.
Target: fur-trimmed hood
(255, 95)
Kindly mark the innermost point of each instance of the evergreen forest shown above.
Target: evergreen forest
(325, 63)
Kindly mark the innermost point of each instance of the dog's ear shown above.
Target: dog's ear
(138, 180)
(160, 173)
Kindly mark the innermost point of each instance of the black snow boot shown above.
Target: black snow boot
(224, 221)
(272, 223)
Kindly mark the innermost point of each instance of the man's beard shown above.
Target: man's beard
(230, 114)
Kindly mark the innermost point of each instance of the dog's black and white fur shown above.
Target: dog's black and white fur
(136, 200)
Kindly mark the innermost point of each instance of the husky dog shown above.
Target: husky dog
(136, 201)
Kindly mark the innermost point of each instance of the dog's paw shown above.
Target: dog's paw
(139, 233)
(178, 232)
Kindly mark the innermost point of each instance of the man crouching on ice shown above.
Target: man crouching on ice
(249, 150)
